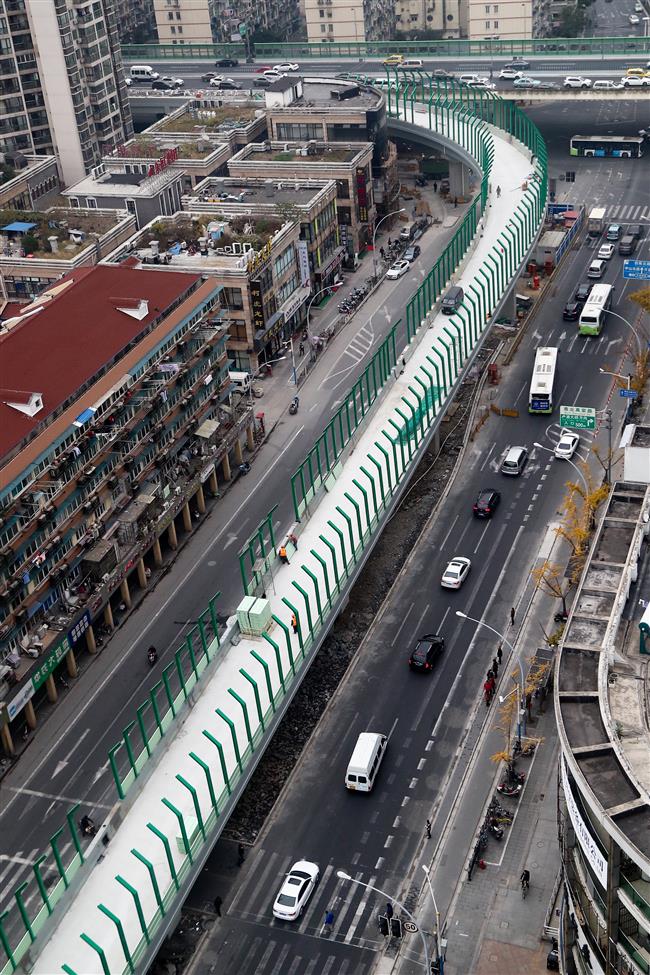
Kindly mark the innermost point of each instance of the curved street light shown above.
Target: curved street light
(569, 461)
(520, 688)
(632, 329)
(374, 237)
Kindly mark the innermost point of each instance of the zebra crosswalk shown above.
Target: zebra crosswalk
(629, 212)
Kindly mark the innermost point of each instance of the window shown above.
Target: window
(496, 24)
(180, 30)
(173, 30)
(91, 202)
(130, 206)
(321, 14)
(495, 8)
(330, 28)
(170, 16)
(487, 24)
(178, 16)
(322, 28)
(487, 8)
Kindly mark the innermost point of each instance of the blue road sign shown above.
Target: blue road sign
(637, 269)
(628, 393)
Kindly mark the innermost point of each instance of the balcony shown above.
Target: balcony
(639, 955)
(636, 894)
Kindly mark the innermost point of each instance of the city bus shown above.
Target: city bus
(543, 381)
(592, 316)
(620, 146)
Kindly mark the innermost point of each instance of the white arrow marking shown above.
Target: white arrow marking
(62, 764)
(562, 337)
(100, 771)
(231, 539)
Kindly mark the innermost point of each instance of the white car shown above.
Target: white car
(286, 66)
(567, 445)
(631, 81)
(272, 74)
(296, 890)
(397, 270)
(633, 19)
(509, 74)
(220, 80)
(605, 251)
(601, 85)
(128, 82)
(483, 83)
(468, 79)
(526, 82)
(456, 572)
(577, 81)
(176, 82)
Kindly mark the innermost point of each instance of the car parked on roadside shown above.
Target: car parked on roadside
(426, 652)
(567, 444)
(398, 269)
(456, 572)
(577, 81)
(296, 889)
(486, 503)
(411, 253)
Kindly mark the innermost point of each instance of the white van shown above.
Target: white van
(412, 63)
(143, 72)
(241, 381)
(366, 759)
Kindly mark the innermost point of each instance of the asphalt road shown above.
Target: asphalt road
(375, 838)
(68, 761)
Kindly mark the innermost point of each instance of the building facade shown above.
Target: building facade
(419, 15)
(349, 165)
(350, 20)
(601, 694)
(142, 188)
(136, 21)
(36, 182)
(507, 19)
(62, 81)
(120, 427)
(186, 21)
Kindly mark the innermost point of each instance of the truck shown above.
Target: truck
(596, 221)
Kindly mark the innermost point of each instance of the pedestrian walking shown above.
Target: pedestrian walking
(294, 623)
(489, 675)
(283, 555)
(217, 906)
(498, 192)
(455, 202)
(389, 910)
(301, 349)
(241, 854)
(499, 653)
(512, 616)
(294, 540)
(329, 921)
(435, 187)
(428, 829)
(495, 667)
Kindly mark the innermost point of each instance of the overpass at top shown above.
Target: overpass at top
(577, 48)
(182, 763)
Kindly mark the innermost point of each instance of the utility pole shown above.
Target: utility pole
(609, 448)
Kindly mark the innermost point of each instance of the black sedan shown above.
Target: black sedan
(226, 63)
(486, 503)
(572, 311)
(426, 652)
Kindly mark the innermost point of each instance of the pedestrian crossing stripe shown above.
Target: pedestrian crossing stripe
(628, 212)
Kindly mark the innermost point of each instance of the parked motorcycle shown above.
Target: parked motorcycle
(511, 790)
(293, 407)
(244, 468)
(152, 656)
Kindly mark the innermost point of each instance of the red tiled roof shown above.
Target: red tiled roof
(57, 350)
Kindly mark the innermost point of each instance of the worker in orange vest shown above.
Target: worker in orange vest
(283, 555)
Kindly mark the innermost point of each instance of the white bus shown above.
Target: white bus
(541, 386)
(592, 316)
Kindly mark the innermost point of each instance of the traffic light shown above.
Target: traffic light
(382, 921)
(396, 927)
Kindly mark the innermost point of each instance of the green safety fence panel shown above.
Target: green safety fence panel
(485, 48)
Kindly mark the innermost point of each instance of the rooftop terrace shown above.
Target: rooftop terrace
(258, 192)
(56, 222)
(151, 147)
(221, 117)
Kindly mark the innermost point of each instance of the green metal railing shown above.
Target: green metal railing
(270, 666)
(487, 48)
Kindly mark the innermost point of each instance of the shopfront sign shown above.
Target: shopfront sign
(303, 261)
(257, 305)
(167, 159)
(294, 302)
(261, 257)
(362, 195)
(590, 848)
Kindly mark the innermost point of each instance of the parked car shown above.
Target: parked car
(286, 66)
(567, 444)
(426, 652)
(510, 72)
(605, 251)
(526, 82)
(603, 85)
(226, 63)
(456, 572)
(576, 81)
(398, 269)
(486, 503)
(297, 888)
(572, 311)
(634, 82)
(411, 253)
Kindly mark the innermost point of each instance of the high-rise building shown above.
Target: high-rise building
(136, 23)
(213, 21)
(506, 19)
(62, 86)
(350, 20)
(417, 15)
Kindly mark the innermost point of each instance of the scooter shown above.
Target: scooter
(152, 656)
(244, 468)
(512, 791)
(495, 831)
(87, 826)
(293, 407)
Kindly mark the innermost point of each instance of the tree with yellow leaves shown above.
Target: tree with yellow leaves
(551, 579)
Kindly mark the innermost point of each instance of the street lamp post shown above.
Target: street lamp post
(436, 937)
(311, 302)
(569, 461)
(342, 875)
(374, 238)
(632, 329)
(515, 657)
(617, 375)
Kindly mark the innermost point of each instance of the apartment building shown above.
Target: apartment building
(349, 20)
(348, 165)
(186, 21)
(136, 21)
(35, 182)
(507, 19)
(144, 188)
(417, 15)
(312, 203)
(45, 245)
(253, 258)
(122, 422)
(62, 87)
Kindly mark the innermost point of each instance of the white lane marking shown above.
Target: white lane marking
(422, 615)
(64, 761)
(379, 864)
(396, 822)
(446, 538)
(421, 764)
(428, 746)
(523, 388)
(577, 396)
(389, 840)
(406, 615)
(482, 535)
(444, 618)
(405, 801)
(487, 456)
(57, 798)
(413, 783)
